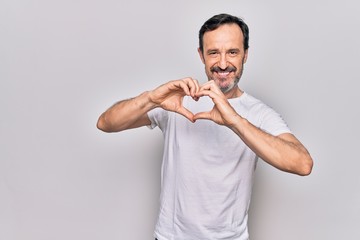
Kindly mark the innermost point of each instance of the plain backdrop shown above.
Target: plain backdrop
(63, 62)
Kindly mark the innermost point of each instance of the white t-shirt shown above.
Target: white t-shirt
(207, 171)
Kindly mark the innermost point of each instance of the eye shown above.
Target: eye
(212, 53)
(233, 52)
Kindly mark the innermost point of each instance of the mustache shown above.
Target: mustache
(227, 69)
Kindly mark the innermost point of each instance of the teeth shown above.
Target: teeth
(223, 73)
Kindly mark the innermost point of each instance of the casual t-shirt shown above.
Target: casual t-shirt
(207, 171)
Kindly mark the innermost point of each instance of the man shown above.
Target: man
(214, 134)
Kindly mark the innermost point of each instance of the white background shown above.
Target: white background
(62, 63)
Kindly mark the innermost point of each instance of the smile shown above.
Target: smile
(223, 74)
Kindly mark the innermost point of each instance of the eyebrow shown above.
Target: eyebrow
(229, 50)
(212, 50)
(234, 50)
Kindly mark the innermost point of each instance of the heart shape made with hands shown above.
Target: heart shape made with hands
(172, 97)
(207, 111)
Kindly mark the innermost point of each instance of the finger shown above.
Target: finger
(196, 89)
(193, 85)
(184, 86)
(205, 92)
(186, 113)
(202, 115)
(211, 85)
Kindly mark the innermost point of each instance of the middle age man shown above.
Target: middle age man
(214, 134)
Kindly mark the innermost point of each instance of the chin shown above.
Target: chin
(225, 87)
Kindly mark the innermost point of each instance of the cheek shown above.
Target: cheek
(213, 62)
(208, 66)
(209, 62)
(238, 63)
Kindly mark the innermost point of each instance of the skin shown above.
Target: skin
(224, 56)
(223, 50)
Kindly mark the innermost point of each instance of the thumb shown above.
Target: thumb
(202, 115)
(186, 113)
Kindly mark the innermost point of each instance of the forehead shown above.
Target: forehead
(227, 35)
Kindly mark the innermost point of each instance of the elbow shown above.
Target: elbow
(106, 124)
(306, 170)
(101, 124)
(301, 164)
(306, 166)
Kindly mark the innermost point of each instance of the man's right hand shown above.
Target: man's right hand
(169, 96)
(132, 113)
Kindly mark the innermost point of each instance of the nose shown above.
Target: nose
(223, 61)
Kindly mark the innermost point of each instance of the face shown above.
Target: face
(224, 56)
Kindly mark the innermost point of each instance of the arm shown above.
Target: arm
(126, 114)
(284, 152)
(132, 113)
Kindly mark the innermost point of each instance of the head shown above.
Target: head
(223, 48)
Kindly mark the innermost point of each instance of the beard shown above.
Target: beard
(233, 81)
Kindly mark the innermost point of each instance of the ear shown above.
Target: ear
(201, 55)
(245, 55)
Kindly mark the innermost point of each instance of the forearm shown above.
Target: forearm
(284, 152)
(126, 114)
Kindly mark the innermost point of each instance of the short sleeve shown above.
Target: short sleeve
(158, 117)
(273, 123)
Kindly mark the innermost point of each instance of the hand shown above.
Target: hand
(169, 96)
(222, 113)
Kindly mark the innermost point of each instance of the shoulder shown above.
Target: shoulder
(266, 116)
(251, 101)
(248, 104)
(260, 114)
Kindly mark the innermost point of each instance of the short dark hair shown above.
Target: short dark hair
(221, 19)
